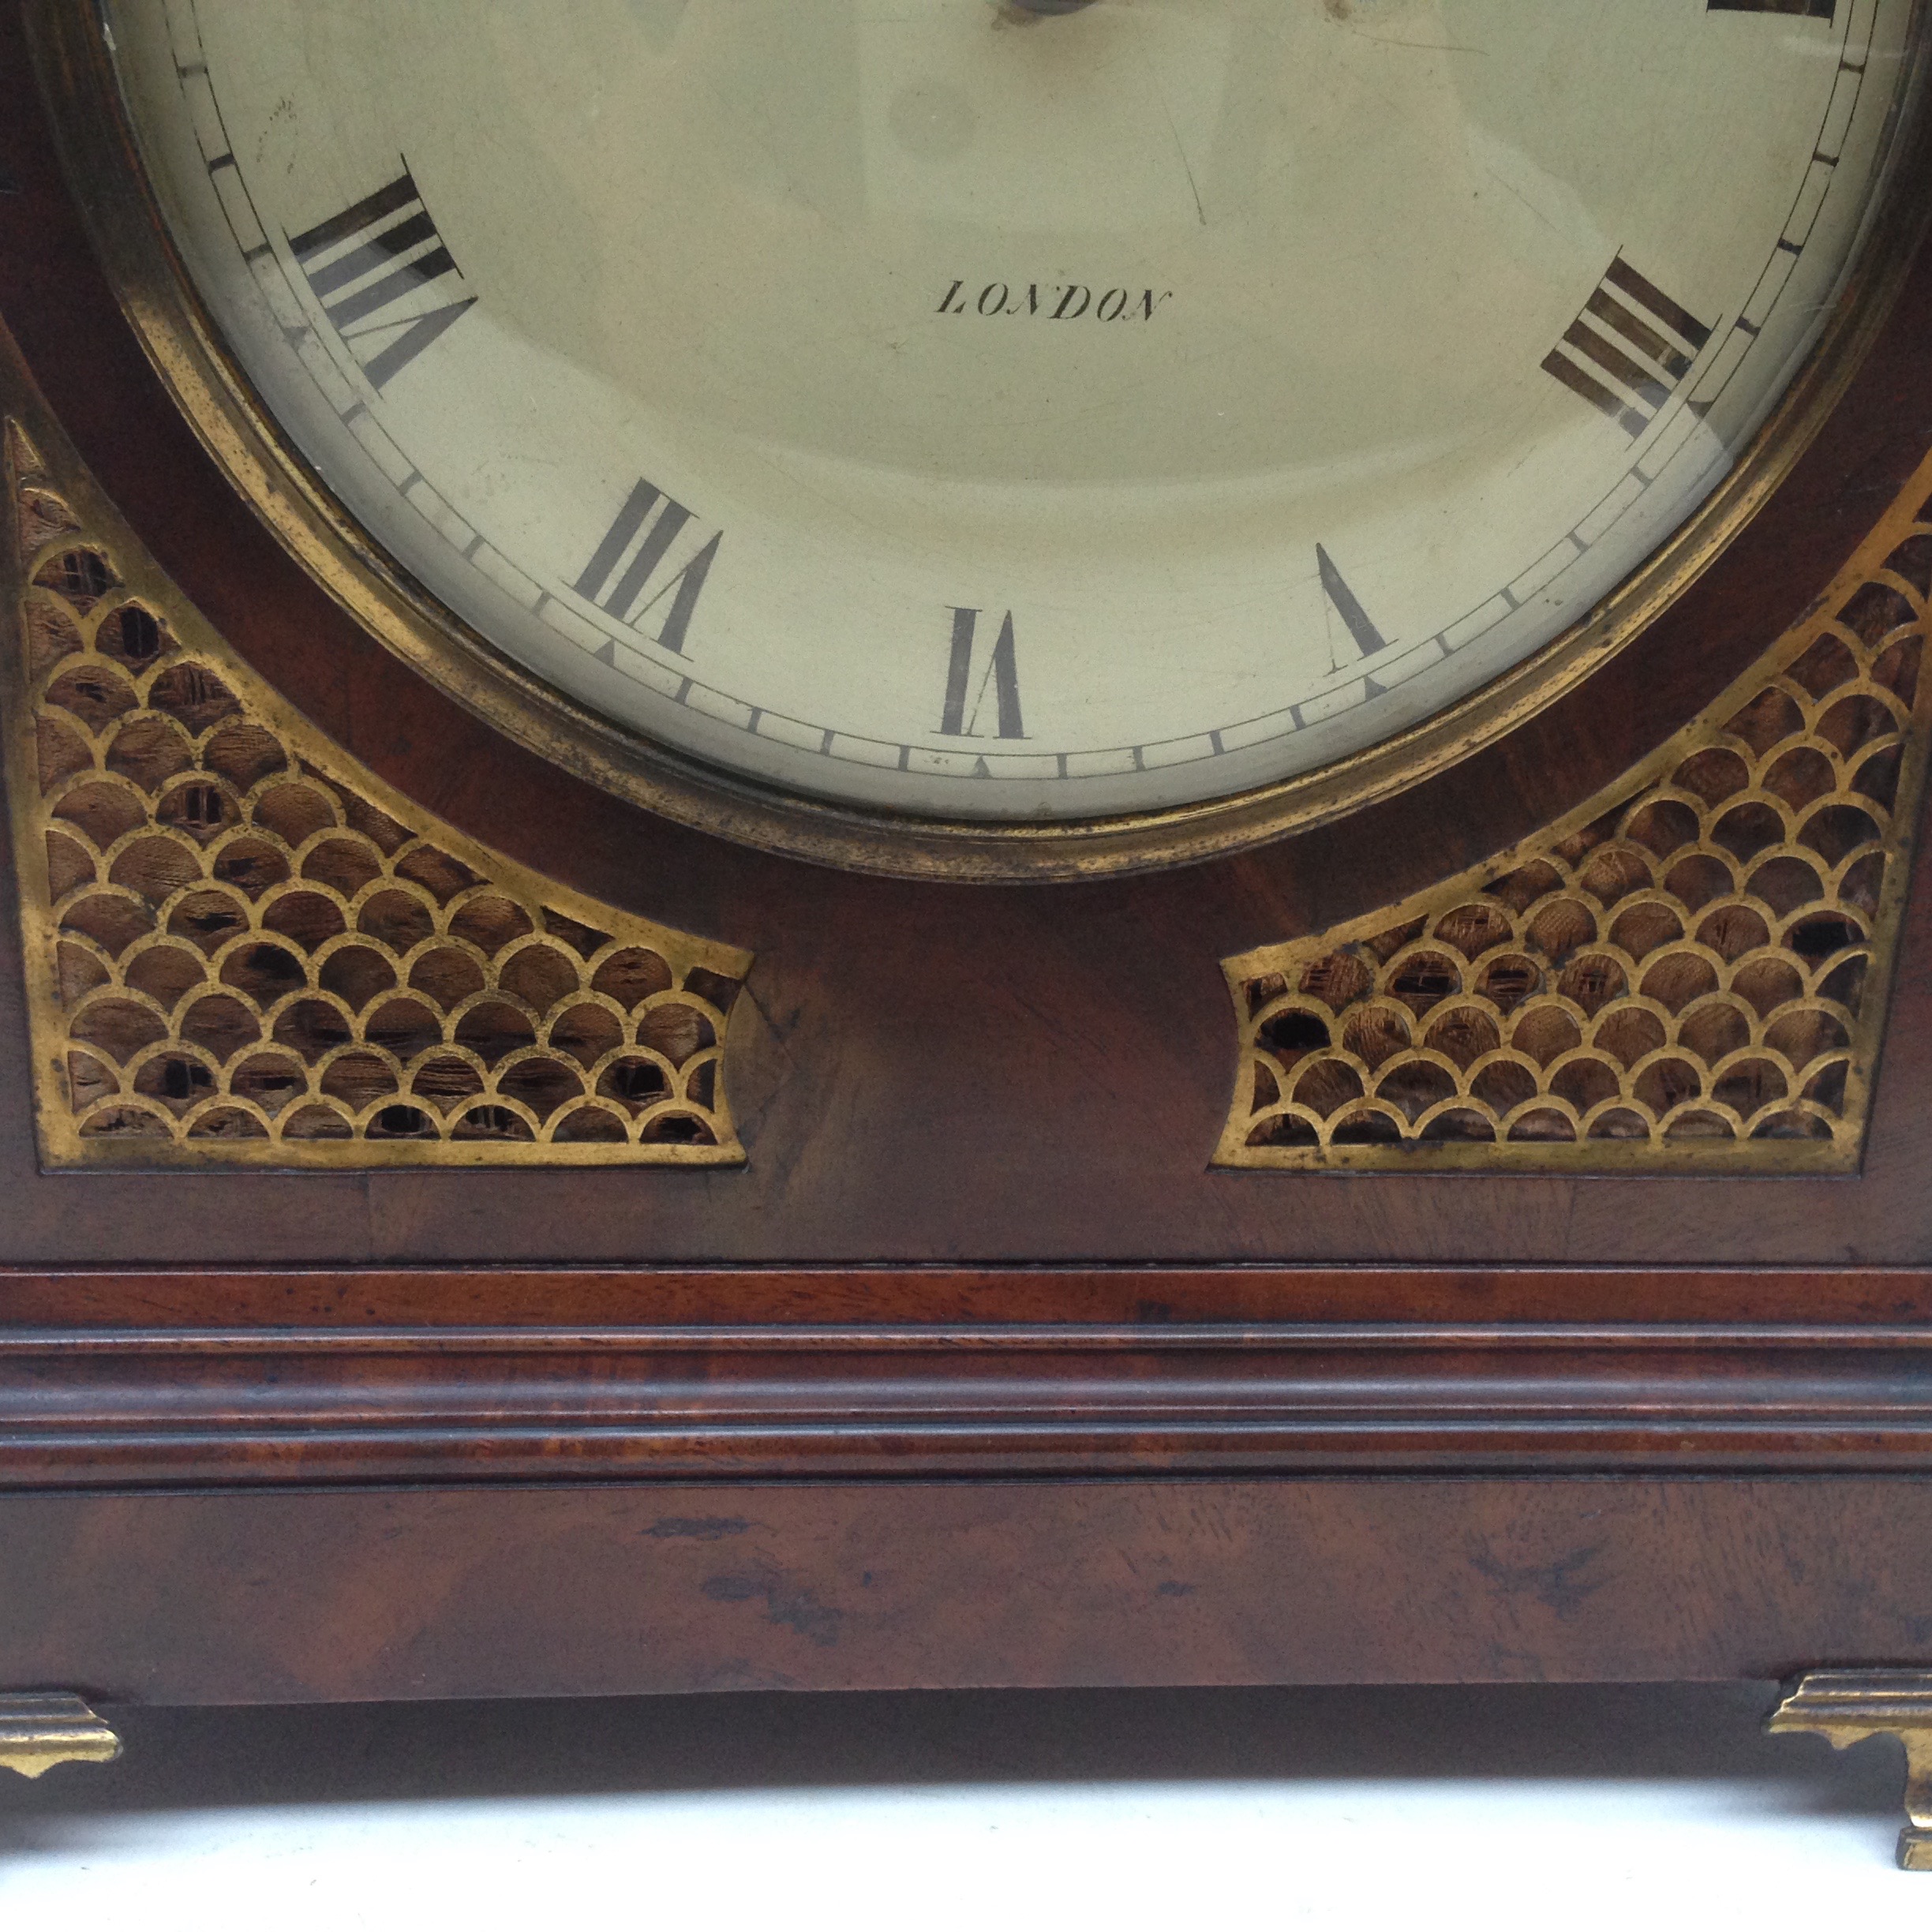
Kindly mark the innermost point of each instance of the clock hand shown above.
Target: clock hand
(1046, 6)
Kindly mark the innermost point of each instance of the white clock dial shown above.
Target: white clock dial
(1008, 413)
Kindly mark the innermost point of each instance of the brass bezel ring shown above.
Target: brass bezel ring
(75, 65)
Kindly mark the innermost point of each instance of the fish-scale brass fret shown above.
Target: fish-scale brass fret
(241, 950)
(1689, 974)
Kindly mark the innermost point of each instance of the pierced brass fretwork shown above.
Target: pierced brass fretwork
(242, 949)
(1688, 974)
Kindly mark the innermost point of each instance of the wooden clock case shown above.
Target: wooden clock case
(976, 1372)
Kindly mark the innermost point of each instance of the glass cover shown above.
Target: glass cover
(1018, 411)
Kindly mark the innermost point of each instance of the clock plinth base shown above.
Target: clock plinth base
(44, 1729)
(1849, 1706)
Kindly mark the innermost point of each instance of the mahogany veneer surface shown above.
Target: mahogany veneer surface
(630, 1589)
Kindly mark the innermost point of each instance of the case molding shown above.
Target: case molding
(123, 1383)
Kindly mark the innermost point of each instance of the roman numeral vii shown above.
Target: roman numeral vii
(619, 579)
(369, 267)
(1628, 349)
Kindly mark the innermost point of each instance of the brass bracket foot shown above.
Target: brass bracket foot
(38, 1732)
(1847, 1705)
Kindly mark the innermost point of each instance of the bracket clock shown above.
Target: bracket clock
(1001, 844)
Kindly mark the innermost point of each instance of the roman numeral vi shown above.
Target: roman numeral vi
(1638, 343)
(369, 267)
(965, 699)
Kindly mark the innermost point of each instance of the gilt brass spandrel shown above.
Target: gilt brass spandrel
(1688, 975)
(241, 950)
(40, 1730)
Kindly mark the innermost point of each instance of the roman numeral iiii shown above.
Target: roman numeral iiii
(369, 266)
(1628, 349)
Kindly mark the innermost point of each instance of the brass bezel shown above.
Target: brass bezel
(78, 82)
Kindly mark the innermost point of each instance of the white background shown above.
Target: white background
(1645, 1808)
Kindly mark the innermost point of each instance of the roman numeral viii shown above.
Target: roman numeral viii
(1628, 349)
(631, 558)
(966, 696)
(369, 267)
(1810, 10)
